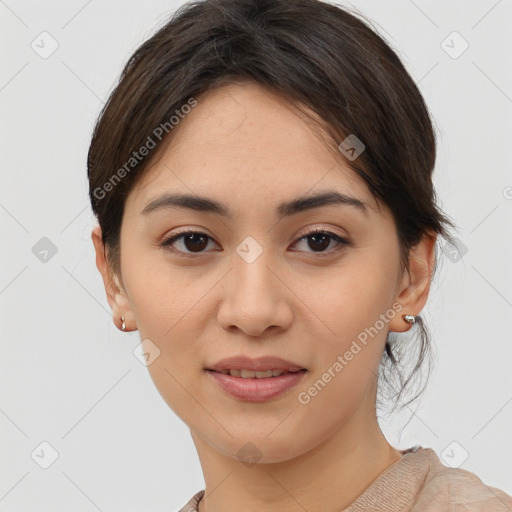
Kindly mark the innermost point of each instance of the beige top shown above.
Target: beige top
(420, 482)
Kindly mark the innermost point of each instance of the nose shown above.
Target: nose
(255, 297)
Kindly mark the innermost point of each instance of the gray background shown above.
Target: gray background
(69, 377)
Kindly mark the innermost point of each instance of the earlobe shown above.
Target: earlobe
(115, 293)
(415, 285)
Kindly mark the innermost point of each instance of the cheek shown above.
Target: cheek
(163, 296)
(355, 310)
(350, 299)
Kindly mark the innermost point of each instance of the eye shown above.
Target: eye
(194, 242)
(321, 239)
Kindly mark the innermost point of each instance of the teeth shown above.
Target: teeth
(249, 374)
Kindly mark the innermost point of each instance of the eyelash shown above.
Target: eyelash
(342, 242)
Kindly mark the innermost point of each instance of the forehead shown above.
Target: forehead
(244, 141)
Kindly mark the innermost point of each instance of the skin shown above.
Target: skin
(244, 146)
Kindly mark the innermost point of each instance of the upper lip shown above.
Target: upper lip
(260, 364)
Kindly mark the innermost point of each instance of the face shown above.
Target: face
(255, 281)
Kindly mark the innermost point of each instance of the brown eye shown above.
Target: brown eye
(320, 240)
(191, 242)
(195, 241)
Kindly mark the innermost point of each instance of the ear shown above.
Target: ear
(414, 287)
(116, 294)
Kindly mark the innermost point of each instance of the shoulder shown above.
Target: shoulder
(459, 489)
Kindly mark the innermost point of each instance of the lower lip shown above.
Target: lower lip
(256, 390)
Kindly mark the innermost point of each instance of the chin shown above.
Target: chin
(259, 448)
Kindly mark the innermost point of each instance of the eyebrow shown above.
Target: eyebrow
(286, 209)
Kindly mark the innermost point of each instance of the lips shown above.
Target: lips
(255, 389)
(262, 364)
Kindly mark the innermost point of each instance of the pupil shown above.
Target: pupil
(192, 239)
(324, 239)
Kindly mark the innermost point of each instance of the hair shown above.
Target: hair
(329, 64)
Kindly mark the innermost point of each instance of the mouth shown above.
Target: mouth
(255, 386)
(251, 374)
(260, 368)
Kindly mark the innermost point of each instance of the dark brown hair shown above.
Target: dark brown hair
(327, 62)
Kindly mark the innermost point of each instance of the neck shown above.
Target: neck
(333, 474)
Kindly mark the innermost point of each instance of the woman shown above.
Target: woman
(262, 179)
